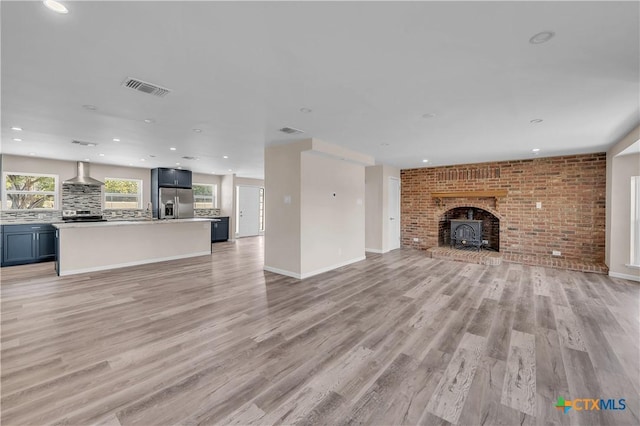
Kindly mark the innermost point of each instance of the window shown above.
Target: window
(204, 196)
(635, 220)
(261, 208)
(122, 193)
(28, 191)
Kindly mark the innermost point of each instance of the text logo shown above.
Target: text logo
(590, 404)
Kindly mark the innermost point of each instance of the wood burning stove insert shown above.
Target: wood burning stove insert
(466, 233)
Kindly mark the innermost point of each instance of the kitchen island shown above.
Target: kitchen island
(98, 246)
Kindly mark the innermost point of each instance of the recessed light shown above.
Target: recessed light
(428, 115)
(542, 37)
(149, 120)
(101, 155)
(197, 130)
(17, 129)
(536, 121)
(230, 170)
(90, 107)
(172, 149)
(535, 150)
(32, 153)
(55, 6)
(425, 161)
(142, 159)
(305, 110)
(177, 164)
(116, 140)
(213, 173)
(180, 167)
(91, 144)
(225, 156)
(87, 159)
(17, 140)
(131, 164)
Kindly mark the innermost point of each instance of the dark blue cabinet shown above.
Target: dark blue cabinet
(172, 178)
(22, 244)
(220, 230)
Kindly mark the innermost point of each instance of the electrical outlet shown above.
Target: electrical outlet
(415, 240)
(485, 241)
(538, 204)
(556, 253)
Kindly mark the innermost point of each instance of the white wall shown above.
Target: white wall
(313, 232)
(282, 208)
(332, 227)
(620, 168)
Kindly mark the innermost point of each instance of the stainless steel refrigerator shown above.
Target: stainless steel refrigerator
(175, 203)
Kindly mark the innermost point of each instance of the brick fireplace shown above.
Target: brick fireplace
(547, 205)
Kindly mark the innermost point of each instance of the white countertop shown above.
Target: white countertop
(130, 222)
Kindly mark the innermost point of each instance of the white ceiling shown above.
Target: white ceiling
(369, 71)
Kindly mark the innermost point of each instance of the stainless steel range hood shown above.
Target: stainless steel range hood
(83, 177)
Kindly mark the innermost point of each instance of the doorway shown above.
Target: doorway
(394, 213)
(248, 211)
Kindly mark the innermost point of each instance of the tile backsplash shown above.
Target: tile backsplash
(206, 212)
(82, 197)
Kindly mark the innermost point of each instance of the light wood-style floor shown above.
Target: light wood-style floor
(396, 339)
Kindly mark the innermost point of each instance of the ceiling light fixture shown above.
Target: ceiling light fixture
(230, 170)
(87, 159)
(172, 149)
(536, 121)
(142, 159)
(535, 150)
(17, 140)
(116, 140)
(131, 164)
(225, 156)
(213, 173)
(425, 161)
(542, 37)
(91, 144)
(177, 164)
(101, 155)
(32, 153)
(197, 130)
(305, 110)
(90, 107)
(149, 120)
(17, 129)
(55, 6)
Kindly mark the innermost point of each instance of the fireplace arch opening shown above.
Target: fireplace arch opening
(471, 222)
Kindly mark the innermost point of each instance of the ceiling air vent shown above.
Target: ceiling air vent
(143, 86)
(83, 143)
(186, 157)
(290, 130)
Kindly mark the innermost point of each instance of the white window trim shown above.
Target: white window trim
(214, 194)
(56, 193)
(634, 246)
(140, 193)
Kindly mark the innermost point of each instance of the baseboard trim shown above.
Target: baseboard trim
(624, 276)
(373, 250)
(332, 267)
(135, 263)
(312, 273)
(281, 272)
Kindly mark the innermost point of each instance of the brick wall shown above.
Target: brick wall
(570, 188)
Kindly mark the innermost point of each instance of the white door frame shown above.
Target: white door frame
(393, 230)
